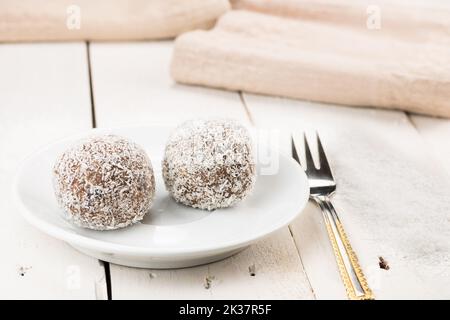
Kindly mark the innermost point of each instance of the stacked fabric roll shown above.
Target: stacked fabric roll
(62, 20)
(378, 53)
(392, 54)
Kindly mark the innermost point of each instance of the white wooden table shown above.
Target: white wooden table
(48, 91)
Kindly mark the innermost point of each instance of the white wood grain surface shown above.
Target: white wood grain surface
(392, 172)
(132, 86)
(44, 95)
(392, 198)
(436, 133)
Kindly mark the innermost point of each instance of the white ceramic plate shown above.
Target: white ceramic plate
(171, 235)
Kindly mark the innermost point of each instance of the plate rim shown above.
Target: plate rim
(85, 241)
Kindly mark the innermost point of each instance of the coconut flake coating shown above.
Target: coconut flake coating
(104, 183)
(209, 164)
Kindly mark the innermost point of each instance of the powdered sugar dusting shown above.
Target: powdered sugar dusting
(104, 183)
(209, 164)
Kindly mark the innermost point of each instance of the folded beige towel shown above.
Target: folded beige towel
(47, 20)
(314, 61)
(414, 19)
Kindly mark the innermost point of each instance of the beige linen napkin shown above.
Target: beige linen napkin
(412, 19)
(48, 20)
(271, 55)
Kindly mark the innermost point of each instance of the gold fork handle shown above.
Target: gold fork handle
(351, 273)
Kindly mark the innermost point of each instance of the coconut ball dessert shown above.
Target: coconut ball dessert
(209, 164)
(104, 183)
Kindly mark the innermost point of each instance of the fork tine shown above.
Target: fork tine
(308, 156)
(324, 165)
(294, 150)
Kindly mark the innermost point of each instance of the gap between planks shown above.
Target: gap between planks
(91, 88)
(250, 118)
(44, 97)
(358, 140)
(105, 264)
(291, 233)
(147, 95)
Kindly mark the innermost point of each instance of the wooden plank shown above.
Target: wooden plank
(391, 196)
(44, 95)
(132, 86)
(278, 275)
(436, 133)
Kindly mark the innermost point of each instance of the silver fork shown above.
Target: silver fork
(322, 186)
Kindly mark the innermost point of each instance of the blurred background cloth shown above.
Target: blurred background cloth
(378, 53)
(391, 54)
(59, 20)
(412, 19)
